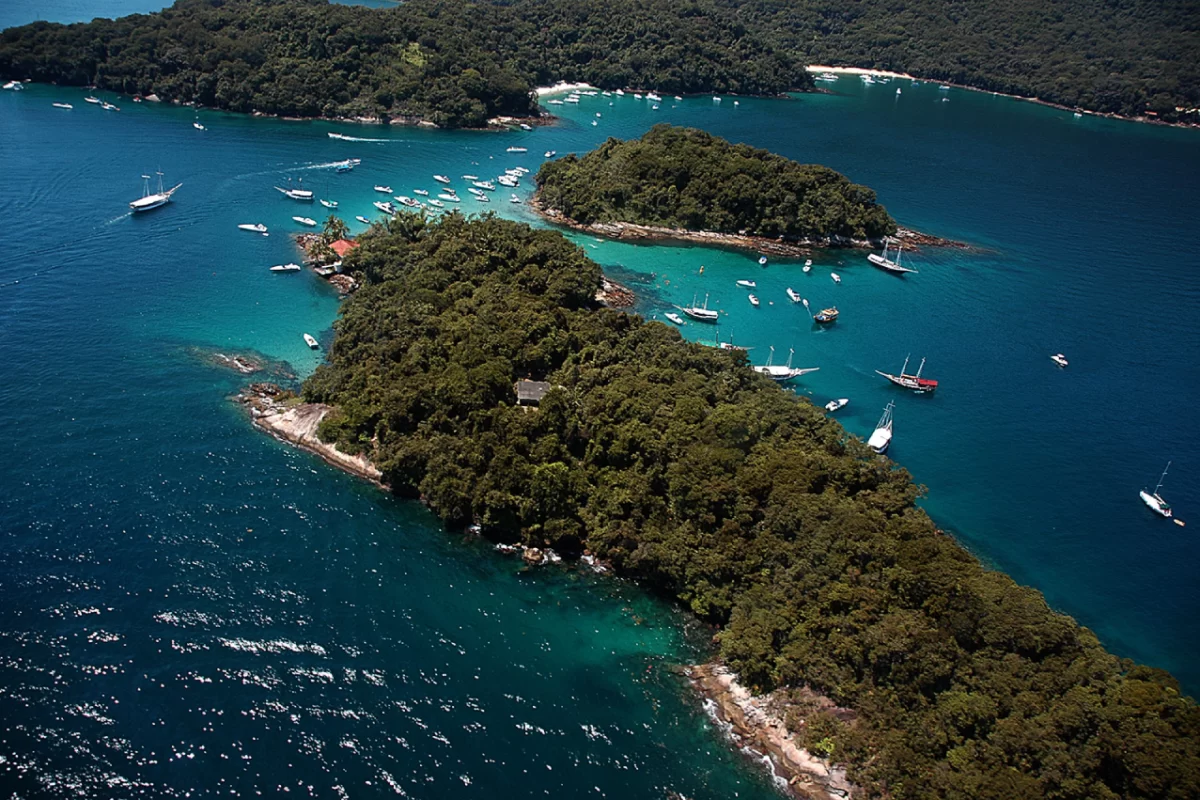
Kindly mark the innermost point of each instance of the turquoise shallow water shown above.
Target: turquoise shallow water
(188, 606)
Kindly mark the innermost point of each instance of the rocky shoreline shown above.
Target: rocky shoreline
(756, 725)
(632, 232)
(282, 414)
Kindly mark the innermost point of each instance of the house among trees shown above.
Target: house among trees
(530, 393)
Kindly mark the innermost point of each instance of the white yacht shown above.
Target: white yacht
(285, 268)
(673, 317)
(881, 439)
(441, 179)
(834, 405)
(891, 265)
(62, 105)
(302, 194)
(383, 189)
(793, 295)
(747, 284)
(253, 227)
(308, 222)
(785, 373)
(701, 313)
(517, 150)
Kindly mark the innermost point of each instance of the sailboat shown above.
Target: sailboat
(1155, 501)
(158, 199)
(914, 382)
(883, 262)
(785, 373)
(701, 313)
(881, 438)
(296, 194)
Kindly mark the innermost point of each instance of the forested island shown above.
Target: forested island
(451, 62)
(708, 483)
(685, 179)
(1125, 57)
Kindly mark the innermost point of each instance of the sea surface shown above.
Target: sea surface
(189, 608)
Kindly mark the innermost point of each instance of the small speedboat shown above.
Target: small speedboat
(437, 203)
(285, 268)
(517, 150)
(483, 198)
(554, 102)
(385, 206)
(753, 300)
(762, 260)
(794, 295)
(363, 219)
(488, 185)
(747, 284)
(594, 123)
(834, 405)
(311, 342)
(93, 100)
(525, 127)
(1060, 359)
(836, 278)
(308, 221)
(198, 126)
(383, 189)
(452, 198)
(441, 179)
(109, 107)
(329, 203)
(421, 192)
(62, 105)
(253, 227)
(673, 317)
(514, 199)
(551, 153)
(470, 177)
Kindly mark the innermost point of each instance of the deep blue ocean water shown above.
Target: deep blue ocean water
(189, 606)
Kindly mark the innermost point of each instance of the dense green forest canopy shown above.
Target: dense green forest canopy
(714, 486)
(453, 62)
(1115, 56)
(687, 178)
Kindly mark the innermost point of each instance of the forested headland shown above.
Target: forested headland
(452, 62)
(710, 484)
(1122, 57)
(686, 178)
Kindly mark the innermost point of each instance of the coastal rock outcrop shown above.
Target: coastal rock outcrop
(282, 414)
(756, 724)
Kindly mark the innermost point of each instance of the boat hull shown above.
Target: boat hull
(1156, 504)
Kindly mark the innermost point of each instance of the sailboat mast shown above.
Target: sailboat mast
(791, 353)
(1162, 477)
(920, 368)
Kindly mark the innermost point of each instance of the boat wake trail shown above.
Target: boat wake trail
(343, 137)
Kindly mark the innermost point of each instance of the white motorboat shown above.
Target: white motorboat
(285, 268)
(654, 97)
(483, 198)
(486, 185)
(109, 107)
(514, 199)
(834, 405)
(517, 150)
(551, 153)
(891, 265)
(673, 317)
(62, 105)
(306, 221)
(93, 100)
(421, 192)
(785, 373)
(198, 126)
(525, 127)
(470, 177)
(753, 300)
(1060, 359)
(554, 102)
(151, 200)
(678, 97)
(477, 192)
(438, 203)
(747, 284)
(619, 92)
(451, 198)
(881, 438)
(13, 85)
(509, 181)
(1154, 500)
(383, 189)
(311, 342)
(385, 206)
(701, 313)
(362, 219)
(637, 96)
(762, 260)
(441, 179)
(329, 203)
(836, 278)
(253, 227)
(808, 265)
(794, 295)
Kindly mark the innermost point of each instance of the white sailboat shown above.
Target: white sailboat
(154, 200)
(893, 266)
(784, 373)
(701, 313)
(302, 194)
(881, 439)
(329, 203)
(1154, 500)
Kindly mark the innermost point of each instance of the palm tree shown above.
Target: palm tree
(334, 229)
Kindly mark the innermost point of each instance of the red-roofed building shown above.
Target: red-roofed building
(342, 246)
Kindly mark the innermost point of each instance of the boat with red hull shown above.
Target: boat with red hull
(913, 382)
